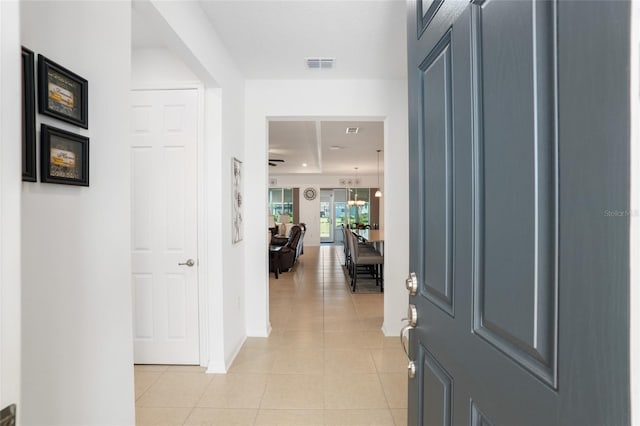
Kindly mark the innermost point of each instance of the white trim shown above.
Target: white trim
(634, 218)
(203, 253)
(236, 351)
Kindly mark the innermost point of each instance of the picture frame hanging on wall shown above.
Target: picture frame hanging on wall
(64, 157)
(62, 94)
(237, 227)
(29, 171)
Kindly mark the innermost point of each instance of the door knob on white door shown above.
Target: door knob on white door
(189, 263)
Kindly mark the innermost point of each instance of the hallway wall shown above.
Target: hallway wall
(374, 99)
(10, 184)
(77, 336)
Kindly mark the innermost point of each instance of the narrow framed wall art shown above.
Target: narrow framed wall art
(29, 170)
(237, 201)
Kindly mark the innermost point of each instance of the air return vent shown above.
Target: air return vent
(319, 63)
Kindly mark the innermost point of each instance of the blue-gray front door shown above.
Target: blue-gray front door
(519, 142)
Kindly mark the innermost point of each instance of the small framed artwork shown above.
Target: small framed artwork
(236, 191)
(64, 157)
(62, 94)
(29, 173)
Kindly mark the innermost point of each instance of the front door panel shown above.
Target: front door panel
(511, 328)
(515, 149)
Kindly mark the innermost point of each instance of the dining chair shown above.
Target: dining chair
(365, 255)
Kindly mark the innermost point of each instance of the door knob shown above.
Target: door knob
(412, 319)
(189, 263)
(404, 341)
(412, 284)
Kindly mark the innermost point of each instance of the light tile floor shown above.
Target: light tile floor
(326, 362)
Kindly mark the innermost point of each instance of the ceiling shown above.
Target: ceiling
(325, 147)
(270, 39)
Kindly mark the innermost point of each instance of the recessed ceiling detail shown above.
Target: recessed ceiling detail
(319, 63)
(325, 146)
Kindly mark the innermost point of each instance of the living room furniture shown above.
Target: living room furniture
(274, 259)
(290, 250)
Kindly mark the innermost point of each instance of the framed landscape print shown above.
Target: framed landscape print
(29, 173)
(236, 202)
(62, 94)
(64, 157)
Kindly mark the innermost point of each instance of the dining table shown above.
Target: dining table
(370, 235)
(373, 236)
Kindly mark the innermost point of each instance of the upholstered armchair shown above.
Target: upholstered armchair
(291, 250)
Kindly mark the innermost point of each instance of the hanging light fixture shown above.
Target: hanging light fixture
(355, 180)
(378, 192)
(355, 201)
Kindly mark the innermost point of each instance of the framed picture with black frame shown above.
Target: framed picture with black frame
(62, 94)
(29, 170)
(64, 157)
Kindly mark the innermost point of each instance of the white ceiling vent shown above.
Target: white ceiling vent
(319, 63)
(353, 130)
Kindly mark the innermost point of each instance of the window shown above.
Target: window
(281, 202)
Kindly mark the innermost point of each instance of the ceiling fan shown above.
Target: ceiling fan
(272, 162)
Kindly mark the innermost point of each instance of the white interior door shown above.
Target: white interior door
(164, 226)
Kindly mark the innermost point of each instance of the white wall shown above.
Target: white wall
(190, 36)
(77, 334)
(310, 210)
(375, 99)
(10, 181)
(158, 68)
(323, 181)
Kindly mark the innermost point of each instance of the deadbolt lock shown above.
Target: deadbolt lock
(412, 284)
(412, 315)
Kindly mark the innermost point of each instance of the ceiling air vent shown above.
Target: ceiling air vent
(319, 63)
(352, 130)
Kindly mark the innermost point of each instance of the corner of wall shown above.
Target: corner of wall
(10, 186)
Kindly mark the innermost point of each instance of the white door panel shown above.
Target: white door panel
(164, 222)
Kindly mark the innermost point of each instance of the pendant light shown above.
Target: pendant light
(378, 192)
